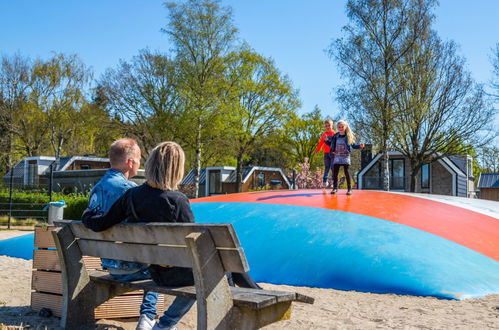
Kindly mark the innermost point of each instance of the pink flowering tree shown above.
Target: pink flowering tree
(308, 179)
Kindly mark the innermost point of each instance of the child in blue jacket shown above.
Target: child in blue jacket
(341, 145)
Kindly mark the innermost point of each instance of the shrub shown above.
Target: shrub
(35, 201)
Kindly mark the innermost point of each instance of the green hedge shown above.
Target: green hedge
(75, 202)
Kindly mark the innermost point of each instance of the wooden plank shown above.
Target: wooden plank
(46, 260)
(43, 237)
(50, 282)
(223, 234)
(41, 300)
(279, 296)
(125, 306)
(243, 297)
(117, 307)
(92, 262)
(155, 254)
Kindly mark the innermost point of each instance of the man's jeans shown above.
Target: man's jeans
(148, 306)
(179, 307)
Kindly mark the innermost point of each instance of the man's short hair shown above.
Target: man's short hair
(121, 150)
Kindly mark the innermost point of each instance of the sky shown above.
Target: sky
(294, 33)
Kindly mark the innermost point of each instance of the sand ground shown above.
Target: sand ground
(333, 309)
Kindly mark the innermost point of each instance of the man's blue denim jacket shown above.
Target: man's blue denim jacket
(111, 187)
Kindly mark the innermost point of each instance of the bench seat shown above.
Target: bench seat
(242, 297)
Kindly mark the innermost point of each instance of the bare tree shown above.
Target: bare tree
(495, 79)
(441, 111)
(142, 93)
(488, 159)
(380, 34)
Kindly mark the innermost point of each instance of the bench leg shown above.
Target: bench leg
(213, 296)
(249, 319)
(80, 295)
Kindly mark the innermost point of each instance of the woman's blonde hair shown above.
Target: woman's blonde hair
(348, 131)
(164, 168)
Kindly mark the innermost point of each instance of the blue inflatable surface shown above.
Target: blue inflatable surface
(341, 250)
(18, 247)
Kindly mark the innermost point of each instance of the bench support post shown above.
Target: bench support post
(250, 319)
(214, 299)
(80, 295)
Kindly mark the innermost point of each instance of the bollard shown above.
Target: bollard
(56, 211)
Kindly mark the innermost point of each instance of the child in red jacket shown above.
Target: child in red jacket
(328, 156)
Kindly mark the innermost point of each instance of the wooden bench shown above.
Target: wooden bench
(210, 250)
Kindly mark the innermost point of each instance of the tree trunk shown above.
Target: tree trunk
(197, 165)
(385, 173)
(238, 173)
(413, 180)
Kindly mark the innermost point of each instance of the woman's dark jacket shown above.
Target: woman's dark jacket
(142, 204)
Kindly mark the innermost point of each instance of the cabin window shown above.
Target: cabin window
(425, 176)
(215, 185)
(261, 180)
(84, 167)
(32, 172)
(397, 172)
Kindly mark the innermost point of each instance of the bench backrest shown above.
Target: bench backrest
(158, 243)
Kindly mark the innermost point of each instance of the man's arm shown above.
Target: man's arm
(117, 213)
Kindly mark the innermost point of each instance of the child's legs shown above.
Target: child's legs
(336, 168)
(328, 165)
(347, 175)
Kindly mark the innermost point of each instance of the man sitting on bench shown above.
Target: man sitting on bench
(124, 156)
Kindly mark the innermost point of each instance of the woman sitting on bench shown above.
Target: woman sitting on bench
(156, 201)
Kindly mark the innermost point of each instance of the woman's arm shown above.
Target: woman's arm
(116, 214)
(183, 210)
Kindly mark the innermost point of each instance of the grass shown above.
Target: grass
(20, 222)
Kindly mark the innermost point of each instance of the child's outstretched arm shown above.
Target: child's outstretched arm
(321, 143)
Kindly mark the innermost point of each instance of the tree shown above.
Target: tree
(14, 85)
(44, 107)
(260, 102)
(488, 159)
(441, 111)
(495, 79)
(303, 134)
(202, 33)
(380, 34)
(143, 94)
(58, 89)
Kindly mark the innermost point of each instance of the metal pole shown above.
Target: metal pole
(294, 178)
(11, 183)
(50, 180)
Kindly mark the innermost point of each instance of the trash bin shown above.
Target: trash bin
(56, 211)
